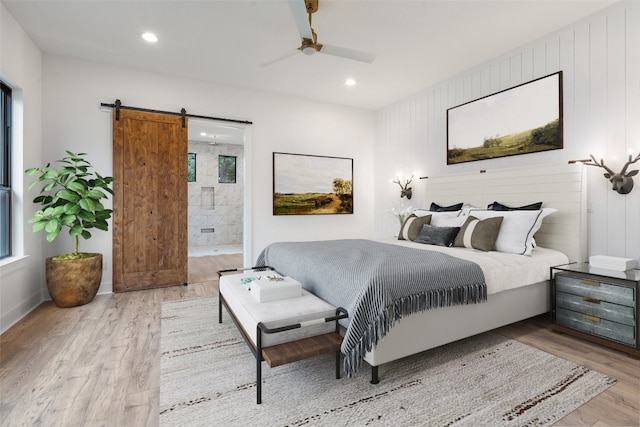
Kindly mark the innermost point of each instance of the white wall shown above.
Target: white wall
(73, 91)
(21, 276)
(62, 99)
(600, 60)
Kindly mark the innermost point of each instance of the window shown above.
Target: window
(227, 169)
(5, 171)
(191, 167)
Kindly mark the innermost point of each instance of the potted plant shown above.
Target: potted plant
(71, 196)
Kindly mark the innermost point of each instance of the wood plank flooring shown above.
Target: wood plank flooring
(99, 364)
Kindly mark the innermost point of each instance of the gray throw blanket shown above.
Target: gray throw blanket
(378, 284)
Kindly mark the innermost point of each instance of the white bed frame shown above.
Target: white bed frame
(562, 187)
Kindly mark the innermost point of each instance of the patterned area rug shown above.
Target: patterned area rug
(208, 378)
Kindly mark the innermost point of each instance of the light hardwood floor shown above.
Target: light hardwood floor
(99, 364)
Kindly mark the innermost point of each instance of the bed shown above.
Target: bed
(517, 286)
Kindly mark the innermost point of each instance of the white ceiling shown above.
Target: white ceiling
(416, 43)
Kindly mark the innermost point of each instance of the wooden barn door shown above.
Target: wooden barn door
(150, 202)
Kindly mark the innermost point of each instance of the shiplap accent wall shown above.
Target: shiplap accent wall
(560, 185)
(600, 60)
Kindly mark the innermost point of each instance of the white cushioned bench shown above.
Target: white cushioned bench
(249, 312)
(281, 331)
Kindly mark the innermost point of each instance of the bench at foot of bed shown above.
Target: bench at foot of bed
(282, 331)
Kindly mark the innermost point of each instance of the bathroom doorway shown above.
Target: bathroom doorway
(216, 190)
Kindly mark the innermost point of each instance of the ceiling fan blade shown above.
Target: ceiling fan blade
(343, 52)
(301, 17)
(281, 58)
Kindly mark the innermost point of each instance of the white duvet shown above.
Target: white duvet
(502, 271)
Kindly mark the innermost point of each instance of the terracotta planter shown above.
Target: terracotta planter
(73, 282)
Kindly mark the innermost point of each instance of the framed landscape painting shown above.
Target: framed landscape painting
(523, 119)
(312, 185)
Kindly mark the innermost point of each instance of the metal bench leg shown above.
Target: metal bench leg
(258, 380)
(339, 311)
(258, 365)
(374, 375)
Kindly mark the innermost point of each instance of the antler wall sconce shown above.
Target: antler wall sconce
(405, 189)
(622, 182)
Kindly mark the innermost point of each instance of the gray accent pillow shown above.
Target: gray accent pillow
(412, 226)
(440, 236)
(479, 234)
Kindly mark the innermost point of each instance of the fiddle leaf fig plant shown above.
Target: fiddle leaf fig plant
(70, 197)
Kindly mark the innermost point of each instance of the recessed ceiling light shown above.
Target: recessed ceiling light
(150, 37)
(203, 134)
(350, 82)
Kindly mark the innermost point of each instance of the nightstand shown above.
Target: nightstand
(597, 305)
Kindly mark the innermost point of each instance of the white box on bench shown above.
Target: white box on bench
(266, 290)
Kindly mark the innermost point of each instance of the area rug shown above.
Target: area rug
(208, 378)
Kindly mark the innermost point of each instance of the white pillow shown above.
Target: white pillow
(425, 212)
(517, 229)
(447, 219)
(467, 208)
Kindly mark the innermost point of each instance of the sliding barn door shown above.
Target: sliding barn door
(150, 201)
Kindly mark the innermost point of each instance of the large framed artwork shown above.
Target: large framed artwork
(523, 119)
(312, 185)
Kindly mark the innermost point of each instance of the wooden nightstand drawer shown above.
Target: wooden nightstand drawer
(597, 326)
(597, 290)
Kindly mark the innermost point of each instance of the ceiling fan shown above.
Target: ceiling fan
(302, 13)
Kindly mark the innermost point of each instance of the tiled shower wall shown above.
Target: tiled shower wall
(215, 209)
